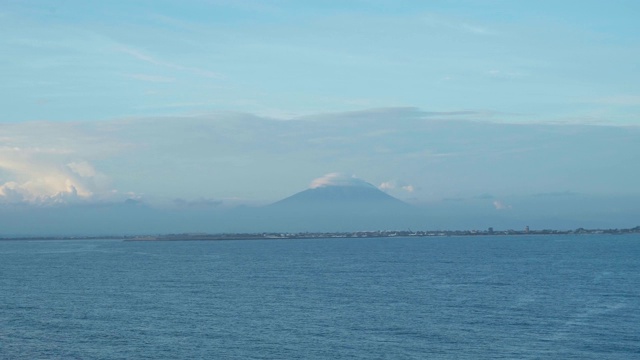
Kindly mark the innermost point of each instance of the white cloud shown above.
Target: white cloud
(82, 168)
(505, 75)
(624, 100)
(409, 188)
(338, 179)
(10, 192)
(151, 78)
(456, 25)
(142, 56)
(396, 185)
(499, 205)
(474, 29)
(387, 185)
(38, 176)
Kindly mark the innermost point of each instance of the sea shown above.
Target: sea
(482, 297)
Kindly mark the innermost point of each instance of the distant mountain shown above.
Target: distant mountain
(352, 205)
(335, 196)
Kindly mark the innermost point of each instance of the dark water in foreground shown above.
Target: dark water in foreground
(560, 297)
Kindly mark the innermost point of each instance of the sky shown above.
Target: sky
(234, 103)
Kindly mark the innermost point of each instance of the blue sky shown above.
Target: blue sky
(246, 102)
(537, 60)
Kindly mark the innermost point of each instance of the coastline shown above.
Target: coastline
(321, 235)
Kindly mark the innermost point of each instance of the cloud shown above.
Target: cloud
(395, 185)
(556, 194)
(408, 188)
(624, 100)
(398, 112)
(456, 25)
(151, 78)
(61, 162)
(474, 29)
(222, 155)
(505, 75)
(41, 176)
(82, 168)
(197, 204)
(142, 56)
(387, 185)
(338, 179)
(499, 205)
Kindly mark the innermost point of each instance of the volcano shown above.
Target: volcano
(342, 196)
(338, 203)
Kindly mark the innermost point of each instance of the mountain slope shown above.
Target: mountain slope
(351, 206)
(341, 196)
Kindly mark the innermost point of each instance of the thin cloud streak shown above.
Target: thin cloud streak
(151, 78)
(624, 100)
(142, 56)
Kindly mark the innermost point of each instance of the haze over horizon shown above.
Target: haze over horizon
(479, 113)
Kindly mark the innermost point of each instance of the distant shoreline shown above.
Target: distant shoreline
(325, 235)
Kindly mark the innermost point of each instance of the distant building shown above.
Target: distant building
(526, 229)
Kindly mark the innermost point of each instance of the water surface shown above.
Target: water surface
(525, 297)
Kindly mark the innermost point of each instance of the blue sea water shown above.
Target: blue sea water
(524, 297)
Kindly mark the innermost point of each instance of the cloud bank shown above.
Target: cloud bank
(427, 155)
(182, 173)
